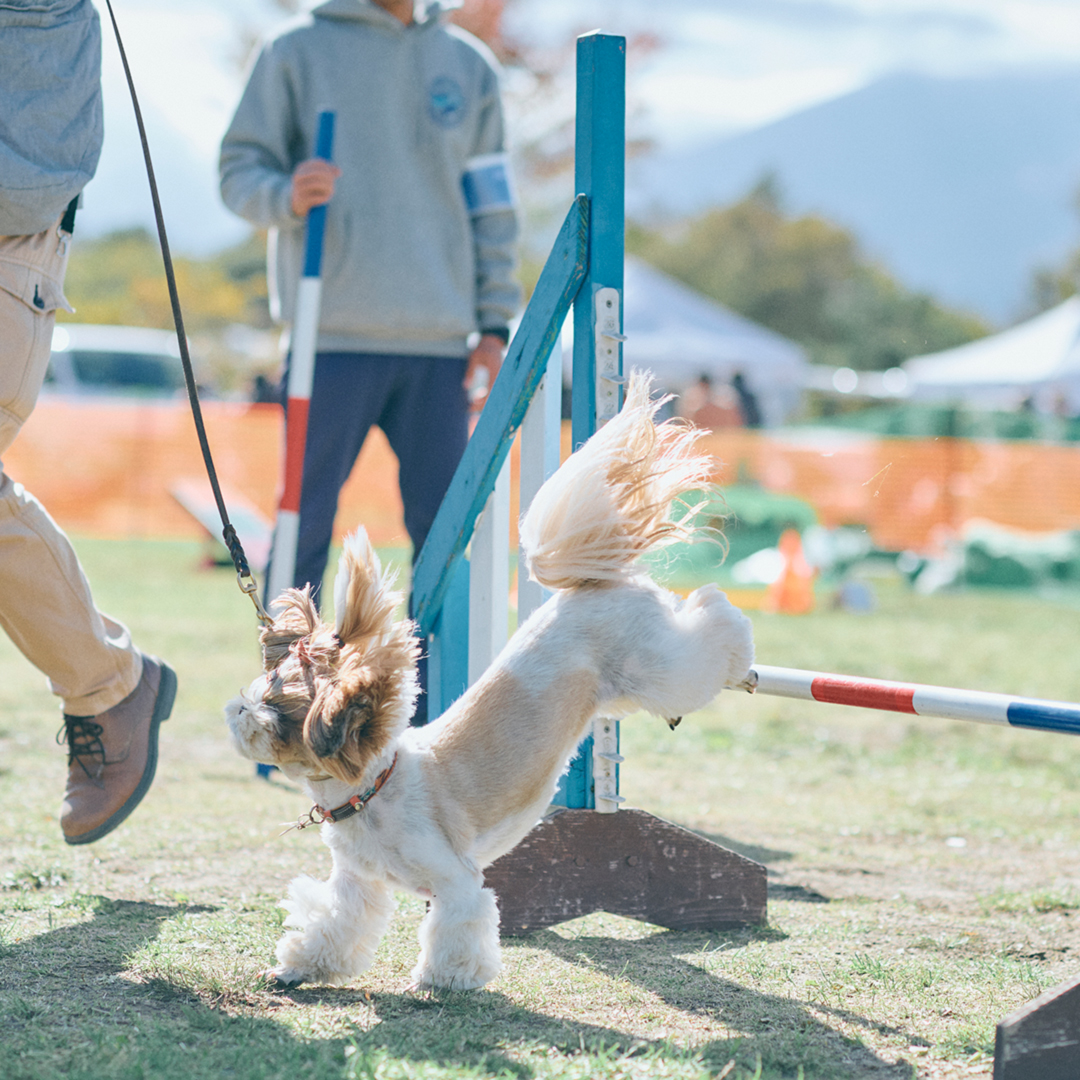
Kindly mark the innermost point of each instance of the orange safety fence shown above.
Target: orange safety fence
(909, 493)
(107, 469)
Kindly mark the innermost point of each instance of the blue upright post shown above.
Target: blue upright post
(447, 645)
(599, 174)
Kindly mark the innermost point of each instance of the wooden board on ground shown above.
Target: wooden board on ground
(1041, 1041)
(629, 863)
(254, 530)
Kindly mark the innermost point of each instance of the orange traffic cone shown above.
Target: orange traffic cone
(792, 593)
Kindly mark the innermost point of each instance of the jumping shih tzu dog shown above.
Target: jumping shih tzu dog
(425, 810)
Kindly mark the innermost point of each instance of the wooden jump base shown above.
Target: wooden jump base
(629, 863)
(1041, 1041)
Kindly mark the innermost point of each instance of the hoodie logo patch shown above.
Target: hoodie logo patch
(446, 102)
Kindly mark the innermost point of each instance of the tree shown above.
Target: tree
(805, 278)
(119, 278)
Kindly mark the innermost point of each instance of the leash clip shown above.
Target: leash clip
(250, 586)
(304, 820)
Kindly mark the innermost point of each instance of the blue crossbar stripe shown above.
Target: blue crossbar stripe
(1044, 716)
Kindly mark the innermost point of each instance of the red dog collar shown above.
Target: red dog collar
(317, 814)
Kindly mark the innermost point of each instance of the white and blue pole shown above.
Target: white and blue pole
(305, 333)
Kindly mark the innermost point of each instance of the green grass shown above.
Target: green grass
(923, 876)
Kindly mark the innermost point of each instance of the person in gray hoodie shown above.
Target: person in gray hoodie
(114, 696)
(421, 228)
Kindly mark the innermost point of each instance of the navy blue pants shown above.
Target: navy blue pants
(423, 409)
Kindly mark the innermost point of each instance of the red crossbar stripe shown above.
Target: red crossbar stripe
(868, 695)
(296, 438)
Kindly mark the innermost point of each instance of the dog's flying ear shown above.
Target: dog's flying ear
(336, 732)
(364, 600)
(327, 732)
(351, 721)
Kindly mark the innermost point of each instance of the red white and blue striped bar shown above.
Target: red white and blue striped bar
(305, 332)
(915, 698)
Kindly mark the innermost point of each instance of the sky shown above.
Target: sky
(733, 64)
(704, 68)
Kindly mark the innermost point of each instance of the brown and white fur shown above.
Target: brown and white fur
(332, 708)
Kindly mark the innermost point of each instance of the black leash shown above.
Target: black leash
(244, 576)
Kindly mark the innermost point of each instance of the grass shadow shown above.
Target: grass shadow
(469, 1029)
(784, 1032)
(69, 1006)
(800, 893)
(84, 956)
(72, 1005)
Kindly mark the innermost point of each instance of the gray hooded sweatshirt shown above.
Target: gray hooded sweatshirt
(50, 116)
(416, 256)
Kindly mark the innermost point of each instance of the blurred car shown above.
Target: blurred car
(99, 361)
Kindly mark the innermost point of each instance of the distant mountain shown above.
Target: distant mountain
(961, 187)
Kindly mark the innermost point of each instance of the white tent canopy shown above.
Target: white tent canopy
(1037, 360)
(679, 334)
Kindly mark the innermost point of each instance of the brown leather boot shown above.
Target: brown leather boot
(112, 756)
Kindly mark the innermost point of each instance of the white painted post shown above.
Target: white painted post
(541, 436)
(489, 579)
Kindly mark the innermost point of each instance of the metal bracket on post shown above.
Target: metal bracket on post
(606, 762)
(608, 363)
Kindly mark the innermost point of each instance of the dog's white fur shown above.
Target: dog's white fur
(468, 787)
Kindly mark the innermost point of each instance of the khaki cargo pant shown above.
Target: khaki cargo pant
(45, 603)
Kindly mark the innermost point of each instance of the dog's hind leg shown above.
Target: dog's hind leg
(459, 938)
(718, 640)
(337, 926)
(678, 663)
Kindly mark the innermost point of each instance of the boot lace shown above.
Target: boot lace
(83, 738)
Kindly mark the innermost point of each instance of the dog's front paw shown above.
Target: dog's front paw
(282, 978)
(470, 975)
(459, 942)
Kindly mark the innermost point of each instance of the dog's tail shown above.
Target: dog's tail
(610, 502)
